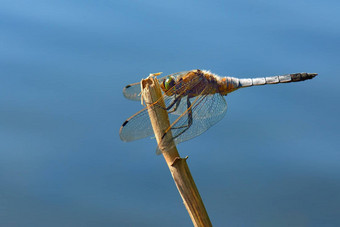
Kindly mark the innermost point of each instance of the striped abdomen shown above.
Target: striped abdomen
(229, 84)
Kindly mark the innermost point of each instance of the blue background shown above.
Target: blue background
(274, 160)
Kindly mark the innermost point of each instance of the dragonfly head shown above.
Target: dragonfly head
(168, 83)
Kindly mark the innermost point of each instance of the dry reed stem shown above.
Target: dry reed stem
(178, 166)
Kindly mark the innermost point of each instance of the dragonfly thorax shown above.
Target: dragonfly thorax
(198, 82)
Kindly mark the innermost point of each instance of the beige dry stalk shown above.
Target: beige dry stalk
(179, 169)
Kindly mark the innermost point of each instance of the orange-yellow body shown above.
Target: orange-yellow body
(194, 101)
(198, 82)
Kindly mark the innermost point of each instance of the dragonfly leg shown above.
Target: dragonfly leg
(187, 126)
(176, 101)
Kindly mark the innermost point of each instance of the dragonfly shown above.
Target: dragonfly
(194, 101)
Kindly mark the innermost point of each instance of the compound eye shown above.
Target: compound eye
(169, 82)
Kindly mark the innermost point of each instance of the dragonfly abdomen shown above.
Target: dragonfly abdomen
(276, 79)
(230, 84)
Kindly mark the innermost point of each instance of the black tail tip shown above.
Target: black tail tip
(303, 76)
(311, 75)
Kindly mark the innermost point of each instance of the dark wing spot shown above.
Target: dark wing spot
(127, 86)
(125, 122)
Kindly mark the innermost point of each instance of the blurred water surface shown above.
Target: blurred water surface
(272, 161)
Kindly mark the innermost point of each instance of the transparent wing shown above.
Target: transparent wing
(133, 91)
(206, 110)
(138, 126)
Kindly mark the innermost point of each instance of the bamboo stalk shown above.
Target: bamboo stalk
(179, 169)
